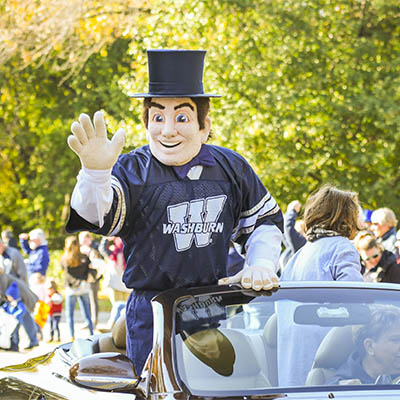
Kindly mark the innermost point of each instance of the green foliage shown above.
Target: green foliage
(310, 95)
(55, 271)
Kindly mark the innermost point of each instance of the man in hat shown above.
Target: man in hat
(176, 203)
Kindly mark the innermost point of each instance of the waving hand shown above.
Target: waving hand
(89, 141)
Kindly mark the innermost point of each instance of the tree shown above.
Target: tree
(310, 91)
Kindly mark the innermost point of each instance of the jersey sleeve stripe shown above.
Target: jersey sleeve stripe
(266, 199)
(120, 213)
(247, 225)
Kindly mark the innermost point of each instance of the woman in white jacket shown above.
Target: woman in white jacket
(331, 221)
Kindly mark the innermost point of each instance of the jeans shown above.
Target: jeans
(94, 300)
(15, 339)
(30, 328)
(84, 305)
(55, 326)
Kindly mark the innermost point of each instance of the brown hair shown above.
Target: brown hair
(202, 106)
(72, 253)
(333, 209)
(53, 285)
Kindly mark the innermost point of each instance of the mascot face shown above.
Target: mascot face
(173, 130)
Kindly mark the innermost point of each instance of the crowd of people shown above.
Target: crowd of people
(361, 244)
(37, 301)
(375, 238)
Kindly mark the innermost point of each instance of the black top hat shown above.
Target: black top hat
(175, 73)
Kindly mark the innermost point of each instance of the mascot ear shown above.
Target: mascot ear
(205, 132)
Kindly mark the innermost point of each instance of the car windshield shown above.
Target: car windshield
(294, 337)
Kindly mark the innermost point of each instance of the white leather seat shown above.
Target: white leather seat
(333, 351)
(247, 372)
(271, 342)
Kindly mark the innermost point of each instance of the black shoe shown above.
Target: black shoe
(31, 346)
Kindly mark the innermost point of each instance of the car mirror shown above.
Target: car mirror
(105, 371)
(332, 314)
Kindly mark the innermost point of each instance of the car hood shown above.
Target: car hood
(37, 377)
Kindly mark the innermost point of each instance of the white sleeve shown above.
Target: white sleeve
(264, 246)
(92, 196)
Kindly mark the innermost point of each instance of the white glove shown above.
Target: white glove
(91, 144)
(254, 277)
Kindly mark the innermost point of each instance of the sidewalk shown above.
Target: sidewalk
(11, 357)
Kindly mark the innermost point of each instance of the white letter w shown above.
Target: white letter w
(198, 213)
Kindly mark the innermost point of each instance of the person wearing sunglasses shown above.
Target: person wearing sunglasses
(383, 224)
(378, 264)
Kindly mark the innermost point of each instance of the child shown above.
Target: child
(54, 300)
(14, 306)
(37, 283)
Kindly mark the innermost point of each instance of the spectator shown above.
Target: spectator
(367, 218)
(37, 251)
(398, 246)
(54, 300)
(111, 248)
(331, 218)
(13, 262)
(378, 264)
(28, 298)
(87, 243)
(375, 359)
(293, 232)
(235, 261)
(384, 223)
(77, 268)
(9, 239)
(16, 307)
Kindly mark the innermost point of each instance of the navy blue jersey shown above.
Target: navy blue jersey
(176, 232)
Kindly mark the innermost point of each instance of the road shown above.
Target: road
(12, 357)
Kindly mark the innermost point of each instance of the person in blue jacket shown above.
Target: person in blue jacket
(293, 238)
(176, 203)
(35, 246)
(14, 306)
(331, 219)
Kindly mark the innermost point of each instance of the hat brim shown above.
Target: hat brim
(169, 95)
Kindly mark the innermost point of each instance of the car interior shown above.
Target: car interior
(256, 359)
(253, 369)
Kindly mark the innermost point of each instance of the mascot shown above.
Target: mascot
(176, 203)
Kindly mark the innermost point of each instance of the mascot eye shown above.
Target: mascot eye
(182, 118)
(158, 118)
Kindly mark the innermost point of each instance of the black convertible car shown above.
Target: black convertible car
(305, 340)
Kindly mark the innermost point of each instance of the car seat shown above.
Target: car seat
(116, 339)
(270, 337)
(333, 351)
